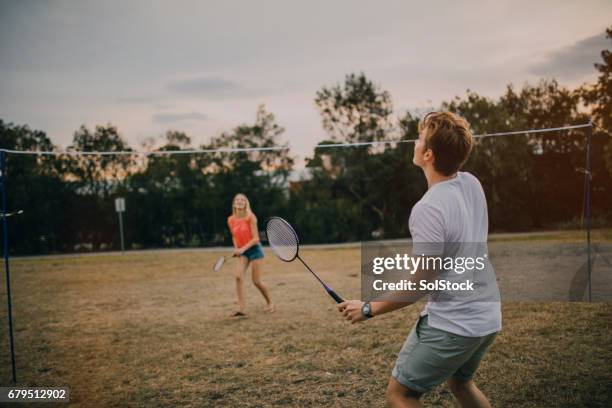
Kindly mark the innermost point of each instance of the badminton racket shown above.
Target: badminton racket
(11, 214)
(285, 244)
(220, 262)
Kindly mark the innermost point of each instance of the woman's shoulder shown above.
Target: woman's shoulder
(233, 218)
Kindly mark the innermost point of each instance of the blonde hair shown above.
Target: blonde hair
(247, 208)
(449, 136)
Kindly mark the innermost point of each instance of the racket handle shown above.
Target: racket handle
(334, 295)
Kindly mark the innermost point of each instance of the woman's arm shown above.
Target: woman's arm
(236, 249)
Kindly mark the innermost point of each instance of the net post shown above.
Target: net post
(121, 231)
(6, 263)
(588, 179)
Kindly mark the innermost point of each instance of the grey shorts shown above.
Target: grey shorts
(431, 356)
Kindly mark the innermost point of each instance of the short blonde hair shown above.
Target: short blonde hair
(449, 136)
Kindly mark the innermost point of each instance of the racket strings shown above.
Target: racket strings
(282, 239)
(285, 243)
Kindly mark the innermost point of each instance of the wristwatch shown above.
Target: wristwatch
(366, 310)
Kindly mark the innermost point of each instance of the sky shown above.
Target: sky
(203, 67)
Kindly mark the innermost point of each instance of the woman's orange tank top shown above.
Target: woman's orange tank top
(240, 229)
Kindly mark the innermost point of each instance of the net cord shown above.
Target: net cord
(270, 148)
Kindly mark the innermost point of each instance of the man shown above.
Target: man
(451, 337)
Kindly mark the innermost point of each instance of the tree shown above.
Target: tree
(358, 111)
(34, 185)
(98, 174)
(164, 194)
(261, 175)
(96, 179)
(518, 171)
(362, 186)
(598, 98)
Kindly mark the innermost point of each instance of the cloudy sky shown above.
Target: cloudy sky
(204, 66)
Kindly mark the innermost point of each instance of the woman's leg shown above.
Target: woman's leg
(256, 271)
(242, 264)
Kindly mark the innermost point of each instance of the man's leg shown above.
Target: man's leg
(461, 383)
(468, 394)
(399, 396)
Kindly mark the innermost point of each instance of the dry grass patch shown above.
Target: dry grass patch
(152, 330)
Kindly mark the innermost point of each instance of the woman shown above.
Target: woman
(243, 226)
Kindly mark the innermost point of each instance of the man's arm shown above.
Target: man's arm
(351, 309)
(427, 231)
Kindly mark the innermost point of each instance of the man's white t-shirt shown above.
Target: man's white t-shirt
(453, 215)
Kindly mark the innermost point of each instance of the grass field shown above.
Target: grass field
(152, 329)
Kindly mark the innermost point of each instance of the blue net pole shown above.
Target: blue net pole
(588, 203)
(6, 262)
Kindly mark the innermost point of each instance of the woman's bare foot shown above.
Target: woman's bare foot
(270, 308)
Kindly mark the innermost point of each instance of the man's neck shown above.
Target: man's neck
(433, 177)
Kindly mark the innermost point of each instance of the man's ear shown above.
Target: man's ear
(429, 156)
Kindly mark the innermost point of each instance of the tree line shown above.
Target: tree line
(347, 194)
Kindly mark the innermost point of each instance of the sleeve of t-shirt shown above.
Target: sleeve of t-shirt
(427, 230)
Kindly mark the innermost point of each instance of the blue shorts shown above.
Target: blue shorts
(254, 252)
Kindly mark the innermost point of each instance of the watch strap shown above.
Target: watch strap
(366, 310)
